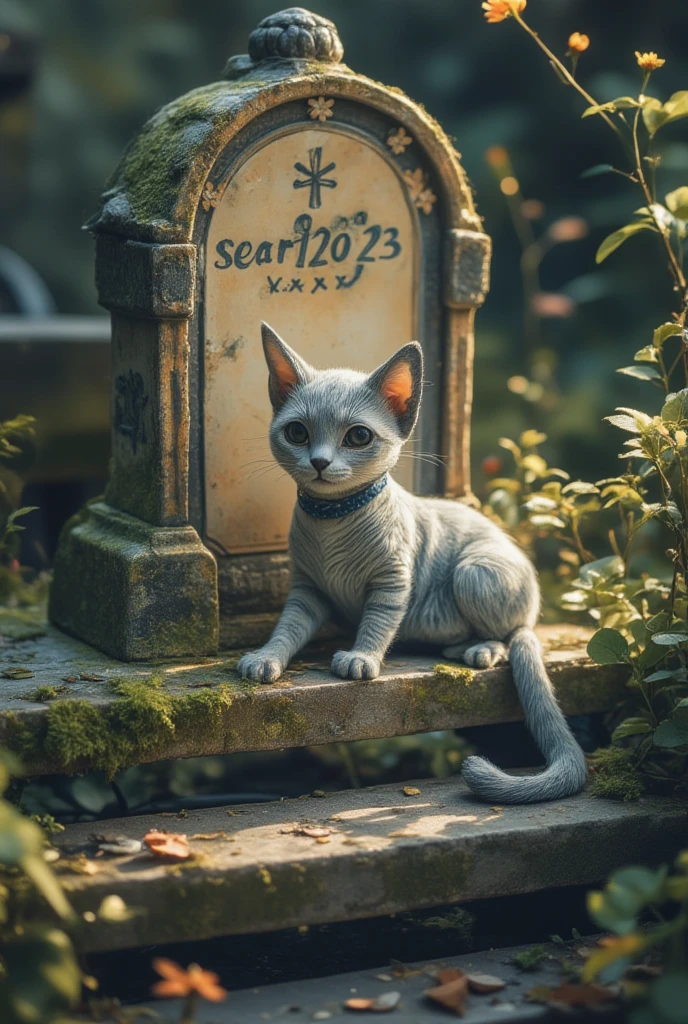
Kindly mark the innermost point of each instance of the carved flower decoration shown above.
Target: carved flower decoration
(423, 196)
(398, 141)
(321, 108)
(210, 196)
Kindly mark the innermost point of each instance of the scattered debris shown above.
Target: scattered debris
(19, 672)
(319, 792)
(411, 791)
(91, 677)
(400, 970)
(70, 679)
(568, 994)
(381, 1004)
(119, 846)
(312, 831)
(171, 845)
(384, 977)
(496, 809)
(208, 836)
(485, 983)
(530, 958)
(452, 991)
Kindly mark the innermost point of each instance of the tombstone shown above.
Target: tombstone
(294, 191)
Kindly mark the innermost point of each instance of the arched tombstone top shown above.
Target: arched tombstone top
(155, 192)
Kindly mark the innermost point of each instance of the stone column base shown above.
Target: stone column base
(133, 590)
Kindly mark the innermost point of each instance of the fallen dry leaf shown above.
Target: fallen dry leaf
(180, 982)
(322, 840)
(172, 845)
(568, 994)
(90, 677)
(497, 809)
(400, 970)
(381, 1004)
(453, 995)
(70, 679)
(484, 983)
(207, 836)
(312, 831)
(444, 975)
(411, 791)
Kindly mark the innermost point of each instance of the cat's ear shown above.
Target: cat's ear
(287, 370)
(400, 382)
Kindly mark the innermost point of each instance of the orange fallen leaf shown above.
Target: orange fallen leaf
(381, 1004)
(484, 983)
(453, 995)
(447, 974)
(358, 1004)
(167, 844)
(179, 982)
(411, 791)
(568, 994)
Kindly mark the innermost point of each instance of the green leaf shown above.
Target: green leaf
(654, 115)
(670, 639)
(42, 979)
(593, 172)
(664, 332)
(677, 202)
(617, 238)
(540, 520)
(580, 487)
(608, 647)
(675, 409)
(621, 103)
(624, 423)
(671, 734)
(677, 106)
(640, 372)
(631, 727)
(646, 355)
(532, 438)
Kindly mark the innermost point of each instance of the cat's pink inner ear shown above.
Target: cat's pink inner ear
(281, 370)
(397, 387)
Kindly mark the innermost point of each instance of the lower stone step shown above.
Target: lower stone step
(402, 987)
(351, 855)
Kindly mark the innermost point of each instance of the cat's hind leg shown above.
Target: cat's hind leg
(478, 654)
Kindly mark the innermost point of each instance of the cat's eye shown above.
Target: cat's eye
(296, 433)
(358, 437)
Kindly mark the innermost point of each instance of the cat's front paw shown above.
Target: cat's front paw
(355, 665)
(261, 667)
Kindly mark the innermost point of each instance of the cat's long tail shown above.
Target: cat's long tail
(566, 769)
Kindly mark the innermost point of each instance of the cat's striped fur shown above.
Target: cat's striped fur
(408, 568)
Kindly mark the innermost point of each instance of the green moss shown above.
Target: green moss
(141, 723)
(279, 719)
(22, 623)
(443, 876)
(529, 959)
(615, 775)
(45, 693)
(47, 823)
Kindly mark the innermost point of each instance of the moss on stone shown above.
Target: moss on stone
(145, 718)
(444, 876)
(615, 774)
(42, 694)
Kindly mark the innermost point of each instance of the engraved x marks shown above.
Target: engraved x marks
(314, 177)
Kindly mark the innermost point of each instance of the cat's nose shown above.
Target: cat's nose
(320, 464)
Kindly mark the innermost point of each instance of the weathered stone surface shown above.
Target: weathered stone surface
(387, 852)
(328, 995)
(308, 706)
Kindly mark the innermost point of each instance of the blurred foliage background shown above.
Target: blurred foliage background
(100, 69)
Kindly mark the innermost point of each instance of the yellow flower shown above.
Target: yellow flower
(498, 10)
(649, 61)
(578, 42)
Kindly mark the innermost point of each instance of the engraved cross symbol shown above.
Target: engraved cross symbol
(315, 178)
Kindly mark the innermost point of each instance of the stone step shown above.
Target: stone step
(389, 849)
(325, 998)
(102, 713)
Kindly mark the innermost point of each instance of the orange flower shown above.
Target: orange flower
(649, 61)
(179, 982)
(499, 10)
(578, 42)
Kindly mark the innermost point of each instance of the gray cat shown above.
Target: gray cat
(397, 566)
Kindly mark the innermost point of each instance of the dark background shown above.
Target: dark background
(81, 76)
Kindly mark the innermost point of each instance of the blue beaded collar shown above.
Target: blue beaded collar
(323, 508)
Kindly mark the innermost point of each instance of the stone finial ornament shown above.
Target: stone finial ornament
(296, 33)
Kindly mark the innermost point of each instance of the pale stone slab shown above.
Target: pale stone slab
(387, 852)
(316, 234)
(308, 706)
